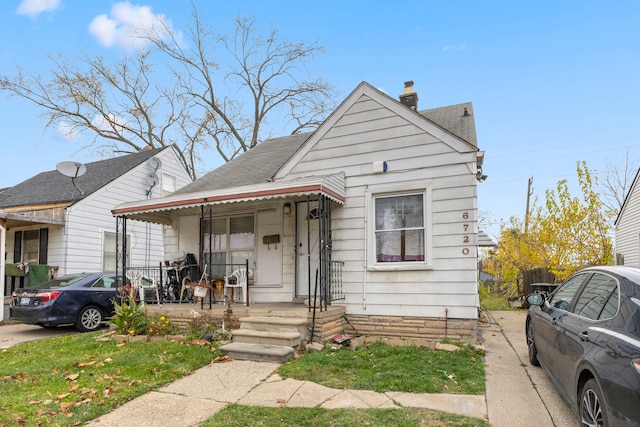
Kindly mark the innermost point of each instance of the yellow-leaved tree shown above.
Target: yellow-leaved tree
(565, 235)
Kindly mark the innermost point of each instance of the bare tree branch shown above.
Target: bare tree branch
(184, 98)
(617, 182)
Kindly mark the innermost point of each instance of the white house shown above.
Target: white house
(379, 203)
(60, 224)
(627, 227)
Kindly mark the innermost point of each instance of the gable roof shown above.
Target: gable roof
(448, 124)
(632, 189)
(53, 187)
(262, 163)
(260, 173)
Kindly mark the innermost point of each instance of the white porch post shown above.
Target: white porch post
(2, 261)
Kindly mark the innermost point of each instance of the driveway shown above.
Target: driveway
(12, 334)
(518, 393)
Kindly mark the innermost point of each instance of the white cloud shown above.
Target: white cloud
(67, 131)
(127, 26)
(449, 48)
(32, 8)
(114, 123)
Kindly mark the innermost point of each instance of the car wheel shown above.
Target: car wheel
(592, 409)
(89, 319)
(531, 346)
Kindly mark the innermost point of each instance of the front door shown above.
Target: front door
(307, 248)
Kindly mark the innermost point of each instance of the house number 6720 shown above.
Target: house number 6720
(465, 238)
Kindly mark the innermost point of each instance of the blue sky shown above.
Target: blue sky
(552, 82)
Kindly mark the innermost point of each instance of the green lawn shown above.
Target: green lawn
(70, 380)
(73, 379)
(381, 368)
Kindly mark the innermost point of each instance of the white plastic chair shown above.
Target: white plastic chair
(241, 282)
(138, 280)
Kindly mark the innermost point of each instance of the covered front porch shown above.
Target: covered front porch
(277, 235)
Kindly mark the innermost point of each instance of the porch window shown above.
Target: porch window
(400, 227)
(31, 246)
(232, 243)
(110, 252)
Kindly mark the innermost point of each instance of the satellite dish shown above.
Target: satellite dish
(152, 181)
(71, 169)
(155, 163)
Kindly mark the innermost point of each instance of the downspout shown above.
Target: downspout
(3, 241)
(366, 248)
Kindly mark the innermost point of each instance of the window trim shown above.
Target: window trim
(228, 250)
(104, 240)
(423, 187)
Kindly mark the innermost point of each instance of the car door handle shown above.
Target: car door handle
(584, 336)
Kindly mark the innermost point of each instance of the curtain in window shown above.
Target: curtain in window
(400, 231)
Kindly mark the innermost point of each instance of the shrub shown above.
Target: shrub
(205, 327)
(160, 325)
(130, 317)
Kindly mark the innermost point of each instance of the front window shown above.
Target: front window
(110, 252)
(400, 228)
(229, 243)
(31, 246)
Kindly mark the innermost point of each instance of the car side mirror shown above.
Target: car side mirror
(535, 299)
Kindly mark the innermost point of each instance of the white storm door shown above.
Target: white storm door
(307, 238)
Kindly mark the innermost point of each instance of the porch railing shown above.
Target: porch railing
(168, 279)
(335, 280)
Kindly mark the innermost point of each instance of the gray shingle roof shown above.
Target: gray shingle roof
(261, 163)
(53, 187)
(453, 119)
(257, 165)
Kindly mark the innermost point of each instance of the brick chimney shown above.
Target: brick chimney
(409, 97)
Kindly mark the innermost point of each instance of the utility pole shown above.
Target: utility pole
(526, 213)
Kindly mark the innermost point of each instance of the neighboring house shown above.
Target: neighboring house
(627, 227)
(60, 225)
(380, 200)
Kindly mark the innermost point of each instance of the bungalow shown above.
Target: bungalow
(60, 222)
(627, 227)
(375, 211)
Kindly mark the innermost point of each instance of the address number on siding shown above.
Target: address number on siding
(465, 238)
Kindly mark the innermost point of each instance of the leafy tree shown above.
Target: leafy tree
(564, 235)
(130, 104)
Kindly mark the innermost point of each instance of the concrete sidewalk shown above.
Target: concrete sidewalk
(517, 394)
(193, 399)
(512, 398)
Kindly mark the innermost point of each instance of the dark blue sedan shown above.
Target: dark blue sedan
(84, 300)
(586, 336)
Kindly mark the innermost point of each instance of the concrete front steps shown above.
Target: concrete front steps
(266, 338)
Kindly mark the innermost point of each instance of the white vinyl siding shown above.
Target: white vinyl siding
(78, 246)
(627, 231)
(417, 160)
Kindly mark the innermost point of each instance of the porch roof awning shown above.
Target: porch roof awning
(159, 210)
(32, 215)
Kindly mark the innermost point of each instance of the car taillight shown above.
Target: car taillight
(47, 296)
(636, 364)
